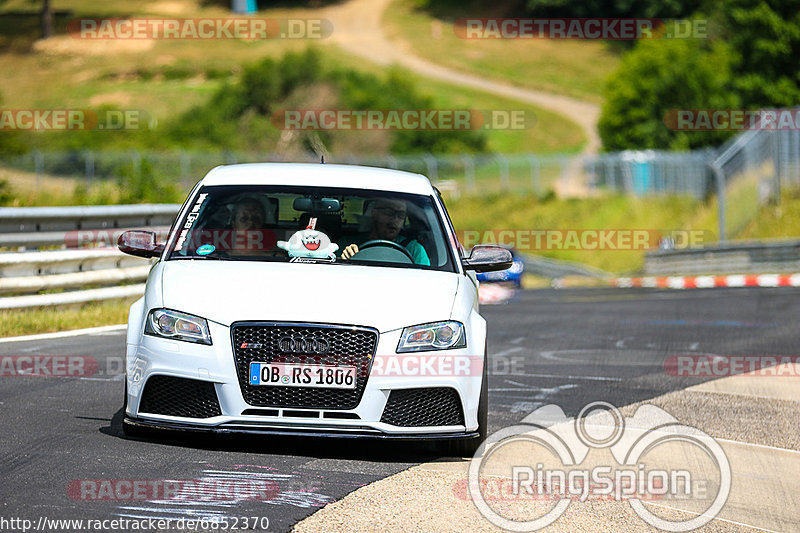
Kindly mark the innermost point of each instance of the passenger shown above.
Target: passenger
(249, 236)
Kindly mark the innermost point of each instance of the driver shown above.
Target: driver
(388, 217)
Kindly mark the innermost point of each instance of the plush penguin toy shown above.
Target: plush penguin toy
(310, 243)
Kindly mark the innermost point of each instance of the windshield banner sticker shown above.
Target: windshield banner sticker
(190, 218)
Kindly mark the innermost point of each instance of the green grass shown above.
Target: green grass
(776, 221)
(167, 77)
(47, 319)
(528, 212)
(663, 214)
(570, 67)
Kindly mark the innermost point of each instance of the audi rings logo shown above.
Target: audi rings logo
(303, 344)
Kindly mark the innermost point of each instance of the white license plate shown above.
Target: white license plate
(294, 375)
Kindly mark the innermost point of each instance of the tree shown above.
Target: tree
(662, 75)
(612, 8)
(47, 19)
(765, 38)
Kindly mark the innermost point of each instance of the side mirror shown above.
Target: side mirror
(488, 258)
(139, 243)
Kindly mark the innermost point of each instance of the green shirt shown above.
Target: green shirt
(415, 249)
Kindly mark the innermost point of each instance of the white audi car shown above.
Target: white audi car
(310, 299)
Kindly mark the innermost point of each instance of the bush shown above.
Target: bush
(6, 196)
(239, 114)
(139, 184)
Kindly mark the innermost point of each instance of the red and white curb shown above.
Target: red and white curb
(708, 282)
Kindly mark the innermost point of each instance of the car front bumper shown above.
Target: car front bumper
(215, 364)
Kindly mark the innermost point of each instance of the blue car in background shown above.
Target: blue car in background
(513, 274)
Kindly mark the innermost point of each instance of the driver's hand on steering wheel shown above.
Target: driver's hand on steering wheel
(349, 251)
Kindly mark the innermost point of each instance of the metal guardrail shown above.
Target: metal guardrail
(30, 272)
(74, 226)
(555, 268)
(728, 258)
(87, 256)
(72, 297)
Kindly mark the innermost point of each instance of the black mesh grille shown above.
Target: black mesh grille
(341, 346)
(423, 407)
(190, 398)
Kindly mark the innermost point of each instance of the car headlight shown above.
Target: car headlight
(179, 326)
(434, 336)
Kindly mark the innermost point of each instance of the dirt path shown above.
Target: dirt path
(357, 29)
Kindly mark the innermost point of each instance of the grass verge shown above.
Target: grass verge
(571, 67)
(529, 212)
(31, 321)
(164, 78)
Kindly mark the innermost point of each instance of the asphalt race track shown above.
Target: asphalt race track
(567, 347)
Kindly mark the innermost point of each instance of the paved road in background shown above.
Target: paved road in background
(568, 347)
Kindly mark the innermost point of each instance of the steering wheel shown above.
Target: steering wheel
(382, 242)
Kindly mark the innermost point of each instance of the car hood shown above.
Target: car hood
(379, 297)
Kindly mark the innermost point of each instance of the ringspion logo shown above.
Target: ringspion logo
(598, 455)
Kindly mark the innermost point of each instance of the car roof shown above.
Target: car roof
(315, 174)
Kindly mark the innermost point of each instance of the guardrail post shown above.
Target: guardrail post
(564, 178)
(38, 165)
(536, 173)
(776, 143)
(88, 157)
(136, 158)
(185, 164)
(720, 179)
(433, 167)
(469, 171)
(504, 178)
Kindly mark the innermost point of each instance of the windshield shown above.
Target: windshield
(313, 224)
